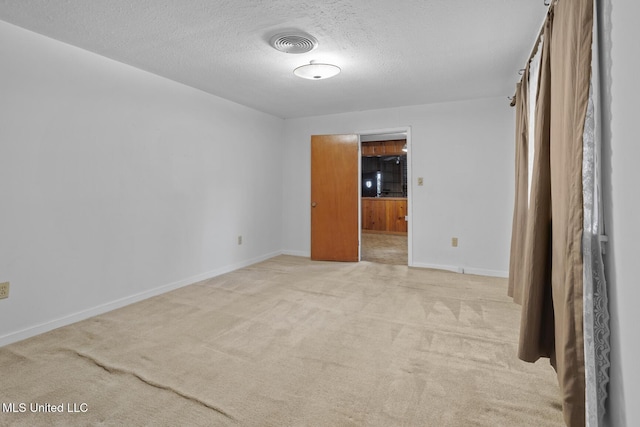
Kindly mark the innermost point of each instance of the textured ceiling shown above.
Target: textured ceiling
(392, 53)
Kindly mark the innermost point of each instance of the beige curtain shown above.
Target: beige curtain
(536, 328)
(551, 259)
(521, 197)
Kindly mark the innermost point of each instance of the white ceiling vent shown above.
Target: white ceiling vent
(293, 42)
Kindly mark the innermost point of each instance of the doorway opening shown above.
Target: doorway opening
(384, 197)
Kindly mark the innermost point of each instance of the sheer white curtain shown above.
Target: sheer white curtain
(596, 314)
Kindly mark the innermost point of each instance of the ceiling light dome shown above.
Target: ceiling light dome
(317, 71)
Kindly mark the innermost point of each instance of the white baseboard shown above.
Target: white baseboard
(464, 270)
(297, 253)
(483, 272)
(112, 305)
(452, 268)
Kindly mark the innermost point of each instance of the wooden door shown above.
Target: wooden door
(334, 197)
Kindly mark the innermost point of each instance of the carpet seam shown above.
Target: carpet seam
(111, 369)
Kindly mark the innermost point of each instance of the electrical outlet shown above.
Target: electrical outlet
(239, 240)
(420, 180)
(454, 242)
(4, 290)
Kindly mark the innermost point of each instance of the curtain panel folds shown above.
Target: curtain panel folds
(546, 265)
(521, 196)
(536, 325)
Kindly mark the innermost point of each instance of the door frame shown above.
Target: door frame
(400, 129)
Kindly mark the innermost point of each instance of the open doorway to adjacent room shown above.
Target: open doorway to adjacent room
(385, 198)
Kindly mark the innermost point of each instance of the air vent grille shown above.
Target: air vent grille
(294, 43)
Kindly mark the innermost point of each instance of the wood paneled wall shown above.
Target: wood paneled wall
(384, 214)
(384, 148)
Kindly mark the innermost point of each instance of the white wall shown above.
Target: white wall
(621, 178)
(116, 184)
(464, 151)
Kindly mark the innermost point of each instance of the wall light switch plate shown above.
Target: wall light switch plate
(4, 290)
(420, 180)
(454, 242)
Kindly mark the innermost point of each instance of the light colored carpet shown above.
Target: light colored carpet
(291, 342)
(384, 248)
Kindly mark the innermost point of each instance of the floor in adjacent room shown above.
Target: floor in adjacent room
(384, 248)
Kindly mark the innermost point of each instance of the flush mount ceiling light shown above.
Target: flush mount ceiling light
(316, 71)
